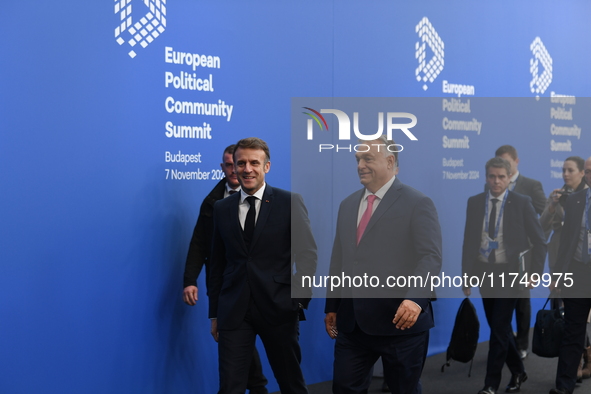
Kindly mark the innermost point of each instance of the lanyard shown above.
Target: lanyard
(499, 214)
(587, 210)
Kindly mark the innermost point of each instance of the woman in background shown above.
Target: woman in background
(552, 218)
(573, 174)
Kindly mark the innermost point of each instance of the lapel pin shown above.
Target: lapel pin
(266, 200)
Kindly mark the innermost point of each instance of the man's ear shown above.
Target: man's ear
(391, 161)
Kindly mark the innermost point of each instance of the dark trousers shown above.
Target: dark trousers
(403, 358)
(523, 320)
(236, 349)
(502, 348)
(257, 382)
(576, 311)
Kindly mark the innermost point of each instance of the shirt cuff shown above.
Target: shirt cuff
(416, 305)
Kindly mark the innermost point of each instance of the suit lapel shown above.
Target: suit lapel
(389, 199)
(508, 213)
(264, 211)
(350, 220)
(480, 212)
(235, 218)
(519, 185)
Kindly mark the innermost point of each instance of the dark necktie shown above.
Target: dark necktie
(249, 222)
(233, 191)
(491, 228)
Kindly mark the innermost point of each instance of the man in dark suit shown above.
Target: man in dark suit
(251, 274)
(522, 184)
(387, 230)
(532, 188)
(199, 255)
(574, 264)
(500, 226)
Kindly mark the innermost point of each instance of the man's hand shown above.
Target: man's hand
(407, 314)
(190, 295)
(467, 291)
(330, 322)
(214, 329)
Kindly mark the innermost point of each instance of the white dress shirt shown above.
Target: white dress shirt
(244, 206)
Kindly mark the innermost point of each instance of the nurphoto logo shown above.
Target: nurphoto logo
(344, 129)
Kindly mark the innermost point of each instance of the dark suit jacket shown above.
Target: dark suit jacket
(532, 188)
(520, 227)
(200, 246)
(403, 238)
(263, 272)
(574, 209)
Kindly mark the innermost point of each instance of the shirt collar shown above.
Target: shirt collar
(382, 191)
(500, 198)
(258, 194)
(229, 189)
(515, 176)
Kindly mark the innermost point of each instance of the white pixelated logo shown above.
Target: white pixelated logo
(146, 29)
(540, 82)
(428, 71)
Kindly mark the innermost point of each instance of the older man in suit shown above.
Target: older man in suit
(500, 226)
(521, 184)
(250, 290)
(574, 263)
(387, 230)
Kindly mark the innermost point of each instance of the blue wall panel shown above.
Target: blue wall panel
(93, 236)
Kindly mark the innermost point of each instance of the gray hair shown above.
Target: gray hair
(384, 140)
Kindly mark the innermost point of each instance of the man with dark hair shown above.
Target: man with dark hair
(199, 255)
(254, 261)
(522, 184)
(532, 188)
(500, 226)
(387, 229)
(574, 262)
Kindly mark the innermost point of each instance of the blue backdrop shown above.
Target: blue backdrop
(97, 214)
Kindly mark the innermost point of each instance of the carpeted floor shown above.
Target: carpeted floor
(455, 380)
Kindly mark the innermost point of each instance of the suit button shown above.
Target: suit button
(355, 263)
